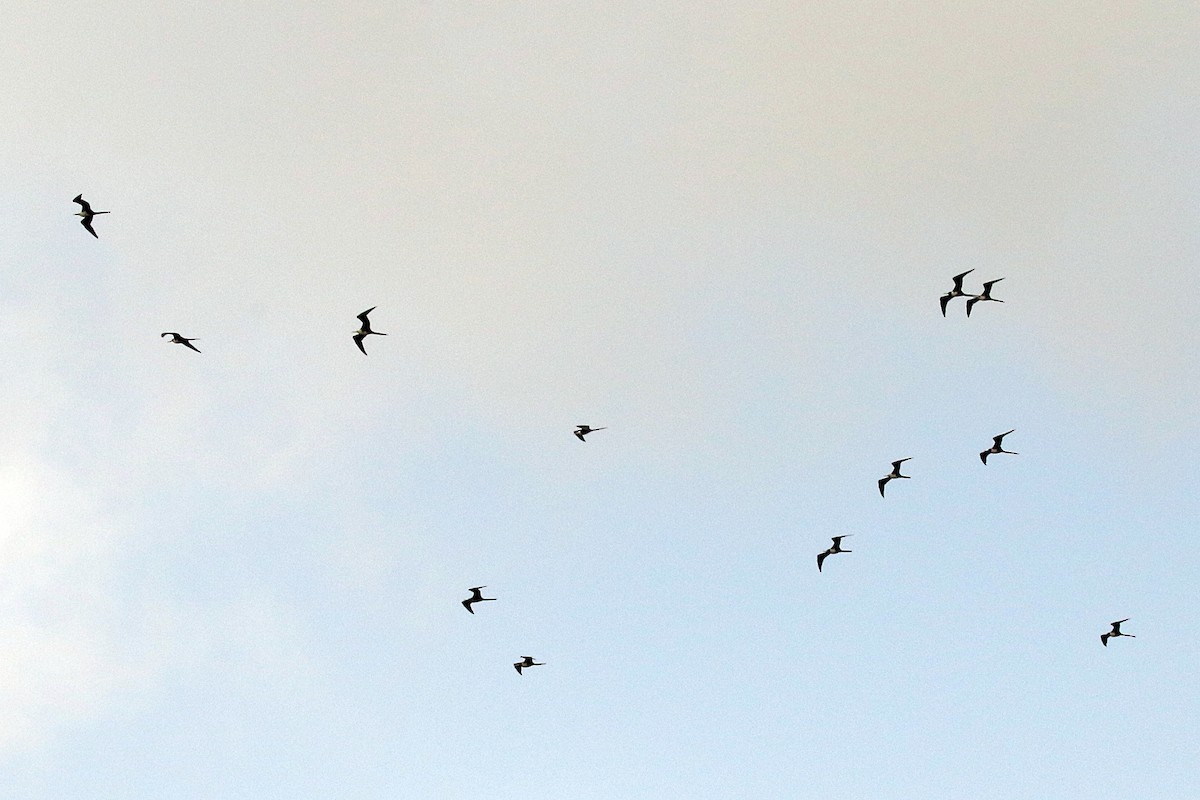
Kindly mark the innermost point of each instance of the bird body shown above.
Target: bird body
(526, 661)
(996, 448)
(895, 473)
(583, 430)
(177, 339)
(476, 597)
(1116, 631)
(837, 548)
(86, 213)
(957, 291)
(364, 330)
(985, 295)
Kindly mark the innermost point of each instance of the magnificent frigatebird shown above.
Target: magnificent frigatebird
(365, 330)
(86, 213)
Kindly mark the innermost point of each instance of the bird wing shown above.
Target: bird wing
(517, 667)
(467, 605)
(188, 343)
(971, 303)
(821, 559)
(896, 464)
(882, 481)
(167, 333)
(958, 279)
(87, 223)
(363, 317)
(1104, 639)
(983, 456)
(358, 337)
(945, 301)
(579, 435)
(1000, 438)
(83, 204)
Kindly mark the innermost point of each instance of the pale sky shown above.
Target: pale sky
(718, 229)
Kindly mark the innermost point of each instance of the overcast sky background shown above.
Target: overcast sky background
(718, 229)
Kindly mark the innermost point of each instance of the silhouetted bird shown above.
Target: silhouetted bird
(583, 430)
(956, 291)
(527, 661)
(177, 339)
(86, 213)
(986, 295)
(475, 597)
(1116, 631)
(365, 330)
(895, 473)
(996, 448)
(837, 548)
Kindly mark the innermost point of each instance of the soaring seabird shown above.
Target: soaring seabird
(1116, 631)
(895, 473)
(996, 448)
(986, 295)
(583, 430)
(475, 597)
(365, 331)
(837, 548)
(86, 213)
(527, 661)
(957, 291)
(177, 339)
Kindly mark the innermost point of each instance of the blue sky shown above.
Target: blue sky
(720, 230)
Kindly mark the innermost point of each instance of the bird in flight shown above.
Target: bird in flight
(177, 339)
(996, 448)
(527, 661)
(1116, 631)
(957, 291)
(476, 597)
(86, 213)
(986, 295)
(365, 330)
(583, 430)
(837, 548)
(895, 473)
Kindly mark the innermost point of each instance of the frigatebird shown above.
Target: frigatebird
(476, 597)
(365, 330)
(583, 430)
(1116, 631)
(527, 661)
(86, 213)
(837, 548)
(177, 339)
(996, 448)
(985, 295)
(957, 291)
(895, 473)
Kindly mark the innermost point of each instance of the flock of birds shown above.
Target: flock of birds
(86, 215)
(997, 441)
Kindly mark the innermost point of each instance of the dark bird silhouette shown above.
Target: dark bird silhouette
(365, 330)
(986, 295)
(475, 597)
(177, 339)
(527, 661)
(837, 548)
(895, 473)
(996, 448)
(583, 430)
(957, 291)
(86, 213)
(1116, 631)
